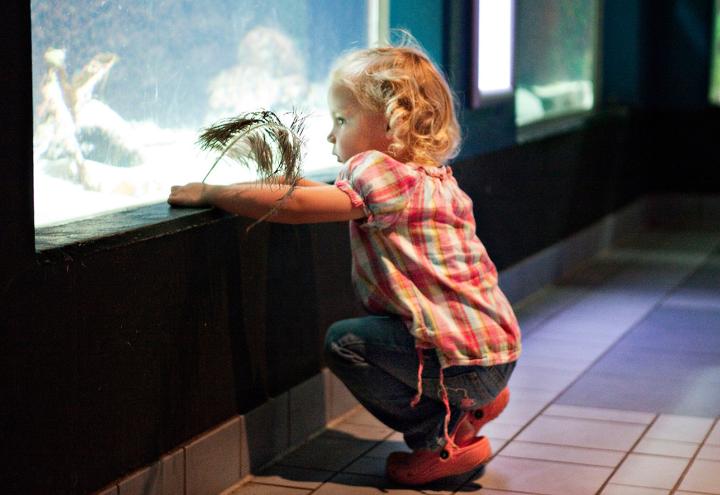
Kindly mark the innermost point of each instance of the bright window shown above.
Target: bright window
(122, 88)
(715, 70)
(554, 58)
(493, 49)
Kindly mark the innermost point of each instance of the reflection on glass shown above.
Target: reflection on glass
(715, 74)
(555, 58)
(122, 87)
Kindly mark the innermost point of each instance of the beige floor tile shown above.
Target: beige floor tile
(542, 378)
(392, 444)
(568, 364)
(650, 471)
(556, 349)
(520, 411)
(371, 466)
(714, 437)
(365, 432)
(497, 444)
(666, 448)
(531, 393)
(612, 489)
(709, 453)
(600, 414)
(543, 477)
(594, 457)
(355, 484)
(486, 491)
(500, 430)
(582, 433)
(680, 428)
(293, 476)
(703, 476)
(257, 489)
(327, 452)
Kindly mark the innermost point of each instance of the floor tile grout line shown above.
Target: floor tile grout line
(574, 446)
(627, 454)
(599, 420)
(502, 490)
(355, 459)
(692, 460)
(555, 461)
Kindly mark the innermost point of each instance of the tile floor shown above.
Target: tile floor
(617, 392)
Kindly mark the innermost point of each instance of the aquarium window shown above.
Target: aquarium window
(555, 58)
(715, 69)
(122, 88)
(493, 49)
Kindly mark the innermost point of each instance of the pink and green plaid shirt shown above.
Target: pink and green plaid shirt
(417, 255)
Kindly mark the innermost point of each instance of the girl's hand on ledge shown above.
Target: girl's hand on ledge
(193, 194)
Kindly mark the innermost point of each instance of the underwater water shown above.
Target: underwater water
(122, 90)
(555, 58)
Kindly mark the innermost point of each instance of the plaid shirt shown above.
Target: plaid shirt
(417, 255)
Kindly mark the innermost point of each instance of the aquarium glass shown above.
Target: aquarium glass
(715, 70)
(554, 58)
(121, 89)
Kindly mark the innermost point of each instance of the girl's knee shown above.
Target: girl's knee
(339, 346)
(335, 333)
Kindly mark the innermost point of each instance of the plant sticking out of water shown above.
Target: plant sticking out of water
(262, 140)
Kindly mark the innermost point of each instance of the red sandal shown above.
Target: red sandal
(423, 466)
(470, 424)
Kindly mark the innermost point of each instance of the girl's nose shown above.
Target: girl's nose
(331, 137)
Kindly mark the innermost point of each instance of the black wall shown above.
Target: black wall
(117, 350)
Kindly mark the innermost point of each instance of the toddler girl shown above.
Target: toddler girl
(434, 357)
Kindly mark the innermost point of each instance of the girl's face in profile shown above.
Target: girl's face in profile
(355, 129)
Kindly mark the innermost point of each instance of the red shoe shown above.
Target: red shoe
(423, 466)
(470, 424)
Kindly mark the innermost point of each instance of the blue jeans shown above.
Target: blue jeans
(375, 357)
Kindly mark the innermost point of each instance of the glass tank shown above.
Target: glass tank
(715, 64)
(122, 89)
(555, 58)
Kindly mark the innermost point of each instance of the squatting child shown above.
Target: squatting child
(433, 358)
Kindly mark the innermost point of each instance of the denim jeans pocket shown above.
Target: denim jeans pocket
(469, 387)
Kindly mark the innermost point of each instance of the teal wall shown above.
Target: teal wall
(425, 19)
(487, 129)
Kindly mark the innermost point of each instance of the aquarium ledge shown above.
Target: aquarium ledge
(120, 228)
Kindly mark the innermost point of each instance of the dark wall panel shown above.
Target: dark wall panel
(532, 195)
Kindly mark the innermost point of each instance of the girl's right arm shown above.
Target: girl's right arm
(310, 183)
(318, 203)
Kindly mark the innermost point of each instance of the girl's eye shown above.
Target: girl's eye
(339, 120)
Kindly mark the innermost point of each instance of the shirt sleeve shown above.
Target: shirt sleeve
(379, 184)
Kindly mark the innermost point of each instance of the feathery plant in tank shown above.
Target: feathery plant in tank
(263, 140)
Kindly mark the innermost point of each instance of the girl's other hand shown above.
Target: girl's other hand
(189, 195)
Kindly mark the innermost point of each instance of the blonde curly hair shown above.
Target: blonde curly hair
(403, 83)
